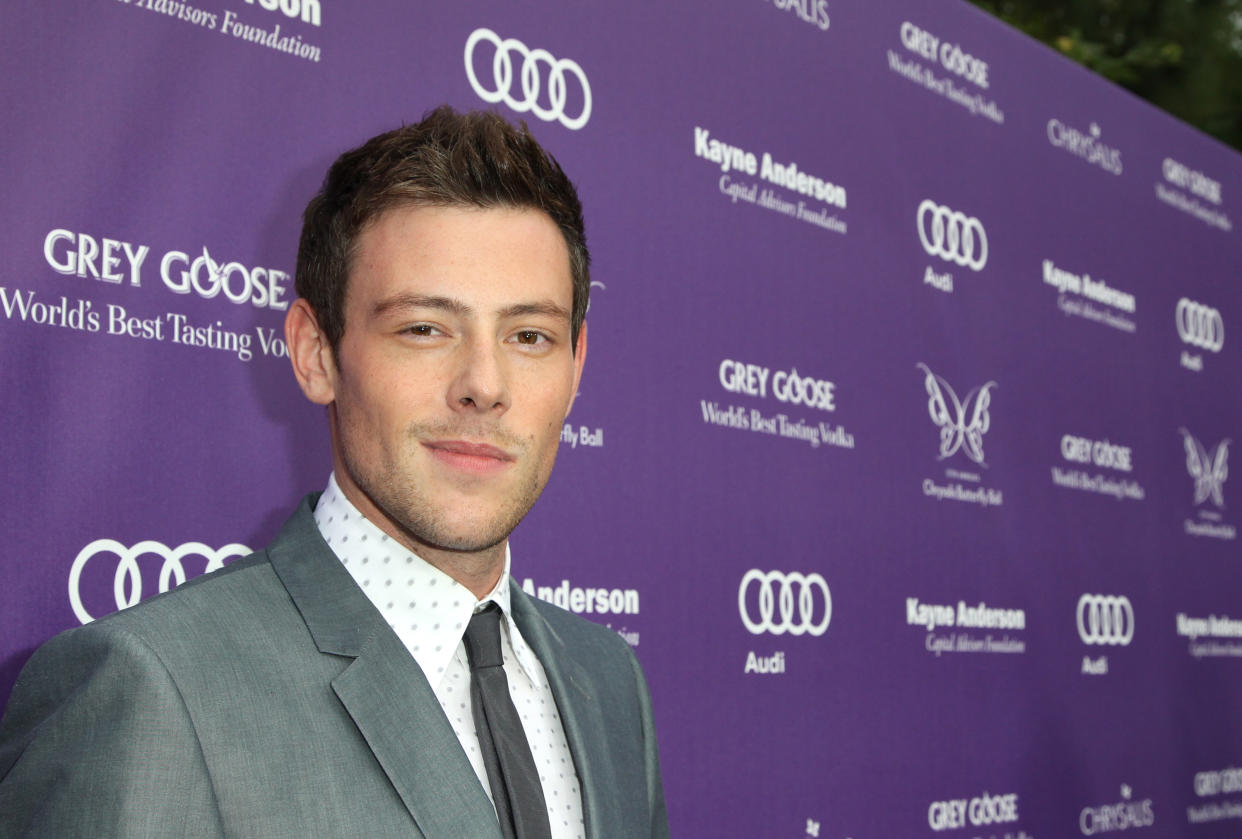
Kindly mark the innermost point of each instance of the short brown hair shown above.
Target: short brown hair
(447, 159)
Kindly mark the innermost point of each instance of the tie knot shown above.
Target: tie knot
(483, 638)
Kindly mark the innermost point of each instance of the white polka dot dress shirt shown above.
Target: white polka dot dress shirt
(429, 611)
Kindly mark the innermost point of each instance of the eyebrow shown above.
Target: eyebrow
(457, 307)
(420, 301)
(542, 307)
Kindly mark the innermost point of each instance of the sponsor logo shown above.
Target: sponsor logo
(779, 603)
(1105, 619)
(951, 235)
(790, 176)
(940, 281)
(735, 162)
(1084, 144)
(962, 424)
(1218, 782)
(1104, 454)
(559, 71)
(591, 601)
(1186, 189)
(793, 389)
(766, 665)
(82, 255)
(583, 436)
(1071, 286)
(794, 603)
(1124, 815)
(1213, 626)
(942, 54)
(1219, 630)
(1208, 471)
(1199, 325)
(786, 386)
(1098, 290)
(307, 10)
(981, 616)
(1213, 783)
(121, 264)
(600, 601)
(118, 262)
(1193, 181)
(271, 38)
(957, 431)
(952, 57)
(1100, 452)
(814, 12)
(208, 278)
(980, 811)
(127, 576)
(936, 616)
(80, 315)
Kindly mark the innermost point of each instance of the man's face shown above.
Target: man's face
(455, 372)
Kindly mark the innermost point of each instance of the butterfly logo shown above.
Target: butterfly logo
(1209, 471)
(955, 431)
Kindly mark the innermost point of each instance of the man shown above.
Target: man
(323, 687)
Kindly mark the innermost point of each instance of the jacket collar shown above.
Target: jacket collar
(383, 690)
(392, 704)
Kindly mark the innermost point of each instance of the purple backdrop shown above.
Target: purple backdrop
(902, 452)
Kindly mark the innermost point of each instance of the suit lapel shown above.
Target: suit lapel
(383, 689)
(393, 706)
(581, 715)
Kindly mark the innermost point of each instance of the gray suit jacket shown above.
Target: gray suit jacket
(271, 699)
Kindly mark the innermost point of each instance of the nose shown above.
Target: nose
(480, 383)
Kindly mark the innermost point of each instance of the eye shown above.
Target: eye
(530, 336)
(421, 330)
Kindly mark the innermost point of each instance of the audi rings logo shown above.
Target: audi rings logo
(1200, 326)
(1105, 619)
(531, 81)
(799, 604)
(952, 236)
(127, 576)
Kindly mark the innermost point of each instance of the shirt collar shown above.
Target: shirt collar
(426, 608)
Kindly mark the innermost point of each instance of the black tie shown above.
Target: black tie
(511, 769)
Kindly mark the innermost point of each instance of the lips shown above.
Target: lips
(471, 457)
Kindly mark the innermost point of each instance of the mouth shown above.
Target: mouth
(464, 455)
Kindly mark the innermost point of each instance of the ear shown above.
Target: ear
(309, 353)
(580, 350)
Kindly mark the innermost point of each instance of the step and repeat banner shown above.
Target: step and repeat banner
(902, 453)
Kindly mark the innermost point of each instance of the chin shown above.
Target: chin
(468, 543)
(463, 534)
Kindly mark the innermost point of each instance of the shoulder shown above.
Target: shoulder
(220, 602)
(180, 637)
(151, 640)
(97, 725)
(241, 597)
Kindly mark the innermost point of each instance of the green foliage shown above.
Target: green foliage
(1184, 56)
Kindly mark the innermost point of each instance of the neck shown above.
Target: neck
(477, 570)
